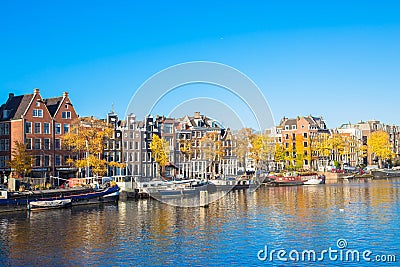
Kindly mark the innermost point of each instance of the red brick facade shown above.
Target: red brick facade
(40, 124)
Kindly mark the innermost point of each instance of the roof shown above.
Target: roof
(53, 104)
(16, 106)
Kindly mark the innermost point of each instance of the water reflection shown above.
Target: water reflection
(231, 230)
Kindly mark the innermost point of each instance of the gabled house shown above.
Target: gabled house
(38, 123)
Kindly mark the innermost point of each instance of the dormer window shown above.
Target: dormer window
(6, 113)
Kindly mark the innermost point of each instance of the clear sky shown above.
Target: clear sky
(338, 59)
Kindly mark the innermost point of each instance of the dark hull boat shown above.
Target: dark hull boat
(384, 174)
(57, 198)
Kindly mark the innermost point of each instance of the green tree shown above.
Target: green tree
(21, 161)
(160, 152)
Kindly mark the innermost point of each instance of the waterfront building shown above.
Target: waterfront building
(297, 136)
(365, 128)
(38, 123)
(136, 139)
(203, 162)
(113, 145)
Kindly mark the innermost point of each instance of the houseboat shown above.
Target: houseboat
(294, 178)
(385, 173)
(16, 201)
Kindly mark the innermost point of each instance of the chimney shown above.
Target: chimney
(65, 94)
(10, 95)
(36, 91)
(197, 115)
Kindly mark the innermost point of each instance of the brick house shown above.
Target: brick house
(297, 135)
(39, 123)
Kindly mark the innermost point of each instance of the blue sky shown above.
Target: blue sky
(338, 59)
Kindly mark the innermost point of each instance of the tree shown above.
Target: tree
(300, 152)
(160, 152)
(320, 147)
(88, 136)
(279, 155)
(262, 148)
(212, 149)
(379, 145)
(290, 153)
(186, 148)
(242, 144)
(21, 161)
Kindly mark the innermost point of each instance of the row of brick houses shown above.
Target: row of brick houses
(303, 130)
(137, 136)
(38, 123)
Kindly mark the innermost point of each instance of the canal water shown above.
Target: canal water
(349, 220)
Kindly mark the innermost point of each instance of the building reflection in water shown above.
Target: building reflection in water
(151, 232)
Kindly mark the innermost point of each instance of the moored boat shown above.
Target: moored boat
(294, 178)
(181, 188)
(385, 173)
(231, 183)
(49, 204)
(14, 201)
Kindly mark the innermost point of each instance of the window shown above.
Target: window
(6, 144)
(37, 113)
(2, 129)
(305, 135)
(3, 161)
(1, 144)
(66, 114)
(38, 143)
(37, 128)
(28, 143)
(293, 136)
(287, 145)
(58, 128)
(46, 128)
(37, 160)
(305, 162)
(136, 145)
(46, 144)
(286, 136)
(66, 128)
(305, 144)
(57, 144)
(58, 160)
(167, 128)
(37, 104)
(28, 127)
(293, 127)
(46, 160)
(286, 127)
(66, 106)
